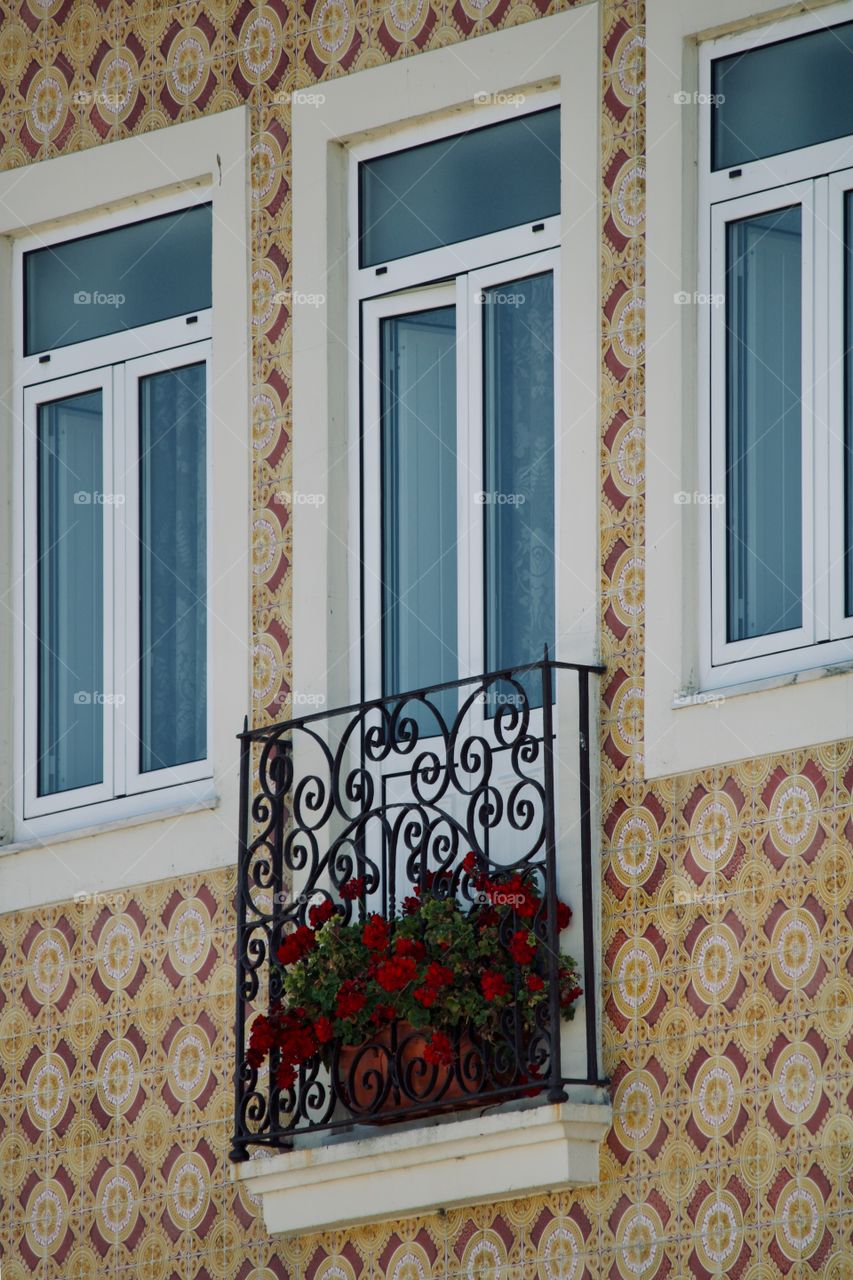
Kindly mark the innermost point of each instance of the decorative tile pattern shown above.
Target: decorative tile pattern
(727, 928)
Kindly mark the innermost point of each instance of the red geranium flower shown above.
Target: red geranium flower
(564, 915)
(320, 913)
(261, 1040)
(383, 1013)
(534, 982)
(527, 907)
(429, 879)
(520, 949)
(375, 933)
(411, 906)
(571, 996)
(285, 1076)
(439, 1051)
(409, 947)
(352, 889)
(296, 945)
(438, 975)
(494, 985)
(394, 974)
(298, 1045)
(350, 1001)
(323, 1030)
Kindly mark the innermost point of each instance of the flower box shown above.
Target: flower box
(444, 1005)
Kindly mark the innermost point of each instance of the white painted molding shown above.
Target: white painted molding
(176, 831)
(687, 727)
(560, 54)
(501, 1155)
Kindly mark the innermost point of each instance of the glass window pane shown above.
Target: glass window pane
(173, 570)
(70, 666)
(456, 188)
(418, 435)
(518, 329)
(115, 280)
(848, 403)
(782, 96)
(764, 431)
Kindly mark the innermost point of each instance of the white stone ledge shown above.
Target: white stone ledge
(395, 1175)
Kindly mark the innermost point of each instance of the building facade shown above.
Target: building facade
(699, 260)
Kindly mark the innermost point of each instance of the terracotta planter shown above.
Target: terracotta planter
(387, 1075)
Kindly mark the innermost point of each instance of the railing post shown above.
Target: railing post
(556, 1090)
(587, 895)
(239, 1150)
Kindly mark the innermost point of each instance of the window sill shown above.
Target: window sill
(420, 1170)
(701, 730)
(115, 815)
(714, 694)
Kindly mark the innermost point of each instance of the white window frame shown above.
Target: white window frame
(375, 311)
(113, 348)
(726, 195)
(724, 651)
(464, 255)
(462, 295)
(193, 771)
(114, 362)
(70, 385)
(838, 186)
(190, 828)
(453, 275)
(440, 278)
(547, 261)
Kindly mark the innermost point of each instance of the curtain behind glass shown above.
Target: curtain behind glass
(173, 571)
(70, 593)
(418, 441)
(518, 346)
(764, 432)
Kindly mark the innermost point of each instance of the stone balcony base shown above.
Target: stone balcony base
(419, 1170)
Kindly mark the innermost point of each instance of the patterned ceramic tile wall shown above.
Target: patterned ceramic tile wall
(727, 925)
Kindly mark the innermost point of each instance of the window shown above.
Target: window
(115, 371)
(776, 191)
(456, 281)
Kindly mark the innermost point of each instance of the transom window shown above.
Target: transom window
(456, 279)
(776, 303)
(115, 371)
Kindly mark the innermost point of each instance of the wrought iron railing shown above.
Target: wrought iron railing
(433, 793)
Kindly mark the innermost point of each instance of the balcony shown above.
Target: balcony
(443, 819)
